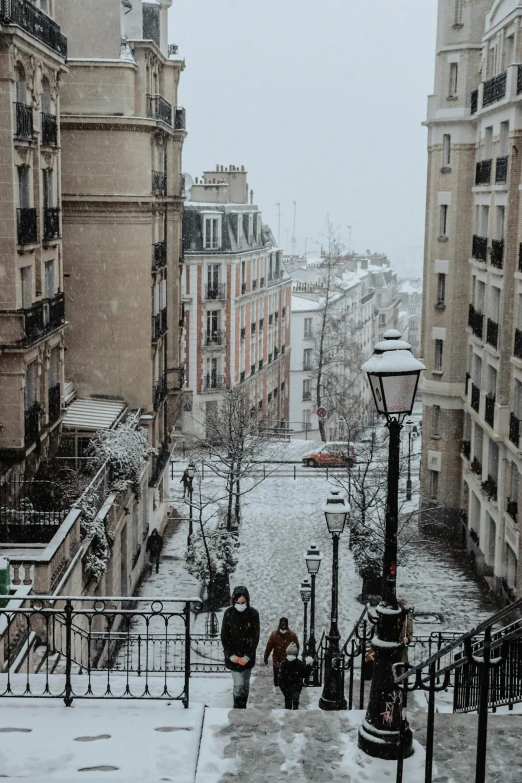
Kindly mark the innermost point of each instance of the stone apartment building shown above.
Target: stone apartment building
(411, 302)
(472, 297)
(237, 297)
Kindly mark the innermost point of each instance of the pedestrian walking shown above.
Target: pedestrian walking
(405, 624)
(186, 481)
(154, 547)
(240, 637)
(292, 672)
(277, 644)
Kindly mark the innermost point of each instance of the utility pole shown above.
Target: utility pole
(287, 231)
(278, 205)
(293, 235)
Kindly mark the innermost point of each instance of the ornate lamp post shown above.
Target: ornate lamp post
(191, 472)
(394, 374)
(336, 511)
(313, 563)
(411, 429)
(306, 592)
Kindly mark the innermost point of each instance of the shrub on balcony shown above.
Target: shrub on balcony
(475, 466)
(127, 452)
(489, 489)
(101, 539)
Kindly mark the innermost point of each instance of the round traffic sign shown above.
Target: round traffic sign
(322, 413)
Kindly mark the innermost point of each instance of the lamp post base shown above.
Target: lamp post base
(384, 744)
(333, 691)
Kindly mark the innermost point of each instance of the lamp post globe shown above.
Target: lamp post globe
(393, 373)
(336, 511)
(306, 592)
(313, 559)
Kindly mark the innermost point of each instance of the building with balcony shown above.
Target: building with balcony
(122, 133)
(32, 311)
(472, 296)
(410, 290)
(236, 295)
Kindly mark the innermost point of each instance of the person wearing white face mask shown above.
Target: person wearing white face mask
(292, 672)
(240, 638)
(277, 643)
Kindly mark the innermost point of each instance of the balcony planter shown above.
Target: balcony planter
(475, 467)
(489, 488)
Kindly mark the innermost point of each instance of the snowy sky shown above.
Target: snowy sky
(323, 104)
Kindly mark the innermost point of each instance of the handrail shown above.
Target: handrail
(355, 628)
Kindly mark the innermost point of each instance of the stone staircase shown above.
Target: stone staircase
(51, 662)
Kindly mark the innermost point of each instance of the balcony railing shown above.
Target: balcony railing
(159, 255)
(465, 448)
(514, 429)
(480, 248)
(214, 382)
(27, 226)
(156, 327)
(476, 322)
(252, 369)
(260, 364)
(35, 22)
(24, 121)
(253, 328)
(489, 413)
(216, 291)
(242, 377)
(474, 101)
(43, 317)
(501, 169)
(242, 333)
(483, 173)
(492, 333)
(54, 400)
(159, 392)
(159, 109)
(261, 282)
(32, 423)
(497, 253)
(512, 509)
(475, 397)
(49, 128)
(180, 119)
(494, 89)
(159, 183)
(56, 311)
(517, 350)
(51, 224)
(215, 338)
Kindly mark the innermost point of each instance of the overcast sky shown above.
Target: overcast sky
(323, 104)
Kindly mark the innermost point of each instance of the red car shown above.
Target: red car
(336, 454)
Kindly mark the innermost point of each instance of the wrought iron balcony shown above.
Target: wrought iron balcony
(261, 282)
(156, 327)
(159, 392)
(475, 397)
(49, 128)
(36, 22)
(213, 382)
(474, 101)
(216, 291)
(33, 323)
(492, 333)
(483, 173)
(489, 414)
(242, 333)
(27, 226)
(159, 109)
(51, 224)
(465, 448)
(514, 429)
(254, 285)
(253, 328)
(480, 248)
(56, 311)
(497, 253)
(494, 89)
(159, 255)
(260, 364)
(517, 350)
(466, 385)
(24, 121)
(159, 183)
(54, 401)
(180, 119)
(215, 338)
(32, 419)
(252, 369)
(242, 377)
(501, 169)
(476, 322)
(512, 509)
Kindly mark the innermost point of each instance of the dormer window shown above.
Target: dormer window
(212, 232)
(250, 228)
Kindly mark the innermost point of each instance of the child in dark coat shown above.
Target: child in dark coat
(292, 672)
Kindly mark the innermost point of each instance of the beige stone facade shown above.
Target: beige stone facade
(472, 296)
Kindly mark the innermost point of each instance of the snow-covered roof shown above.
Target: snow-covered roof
(301, 304)
(93, 414)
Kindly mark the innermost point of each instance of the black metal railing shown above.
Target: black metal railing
(56, 311)
(31, 511)
(159, 255)
(492, 333)
(476, 321)
(159, 109)
(494, 89)
(51, 223)
(35, 22)
(512, 509)
(501, 170)
(156, 327)
(475, 397)
(514, 429)
(54, 400)
(159, 392)
(483, 173)
(252, 369)
(216, 291)
(253, 328)
(480, 248)
(474, 101)
(180, 119)
(242, 376)
(489, 413)
(465, 448)
(27, 226)
(519, 79)
(214, 381)
(32, 419)
(42, 317)
(260, 364)
(242, 333)
(307, 395)
(159, 183)
(497, 253)
(159, 463)
(24, 121)
(215, 337)
(49, 128)
(517, 348)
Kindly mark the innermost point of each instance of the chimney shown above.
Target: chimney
(197, 183)
(214, 181)
(217, 166)
(221, 168)
(242, 168)
(251, 196)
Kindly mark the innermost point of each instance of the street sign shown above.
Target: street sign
(321, 413)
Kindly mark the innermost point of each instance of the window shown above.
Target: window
(484, 221)
(156, 299)
(47, 101)
(441, 288)
(250, 228)
(30, 386)
(438, 355)
(24, 199)
(494, 309)
(26, 279)
(478, 444)
(212, 240)
(488, 143)
(480, 295)
(213, 277)
(513, 483)
(511, 568)
(307, 328)
(212, 321)
(491, 382)
(307, 359)
(49, 279)
(492, 539)
(307, 389)
(504, 139)
(446, 149)
(21, 85)
(54, 368)
(434, 484)
(458, 12)
(509, 50)
(500, 215)
(453, 80)
(436, 420)
(493, 460)
(48, 188)
(307, 420)
(519, 314)
(443, 220)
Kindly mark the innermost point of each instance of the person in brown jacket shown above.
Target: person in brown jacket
(278, 641)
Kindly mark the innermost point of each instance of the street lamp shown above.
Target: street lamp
(336, 512)
(394, 374)
(313, 563)
(411, 429)
(306, 592)
(191, 472)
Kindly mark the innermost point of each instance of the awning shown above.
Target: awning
(90, 415)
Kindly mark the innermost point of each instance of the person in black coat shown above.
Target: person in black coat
(154, 547)
(292, 672)
(240, 637)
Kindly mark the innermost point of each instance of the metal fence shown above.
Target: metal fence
(31, 511)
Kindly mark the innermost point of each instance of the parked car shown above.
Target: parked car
(336, 454)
